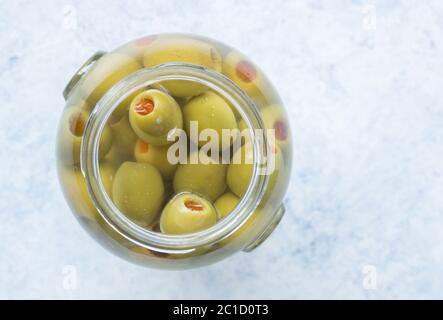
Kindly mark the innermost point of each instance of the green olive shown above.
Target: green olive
(138, 47)
(155, 155)
(70, 137)
(274, 118)
(244, 132)
(76, 191)
(104, 73)
(123, 136)
(204, 178)
(187, 213)
(123, 108)
(226, 203)
(243, 231)
(138, 191)
(210, 111)
(183, 50)
(224, 206)
(275, 180)
(153, 115)
(107, 173)
(239, 172)
(245, 74)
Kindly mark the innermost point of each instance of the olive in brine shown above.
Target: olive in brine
(239, 172)
(184, 50)
(240, 169)
(226, 203)
(274, 118)
(123, 137)
(104, 73)
(138, 191)
(210, 111)
(154, 115)
(76, 191)
(203, 177)
(187, 213)
(71, 132)
(107, 173)
(244, 73)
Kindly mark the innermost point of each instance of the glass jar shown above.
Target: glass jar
(118, 183)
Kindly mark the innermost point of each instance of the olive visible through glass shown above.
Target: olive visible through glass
(173, 198)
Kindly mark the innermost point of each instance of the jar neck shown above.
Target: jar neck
(151, 77)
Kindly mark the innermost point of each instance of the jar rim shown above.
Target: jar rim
(89, 156)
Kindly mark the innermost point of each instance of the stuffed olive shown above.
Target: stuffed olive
(187, 213)
(154, 115)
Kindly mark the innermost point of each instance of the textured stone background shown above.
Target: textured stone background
(362, 81)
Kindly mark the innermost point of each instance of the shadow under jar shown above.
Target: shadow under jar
(174, 151)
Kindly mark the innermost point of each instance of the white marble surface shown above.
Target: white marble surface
(365, 102)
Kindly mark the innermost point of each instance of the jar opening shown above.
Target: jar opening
(154, 77)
